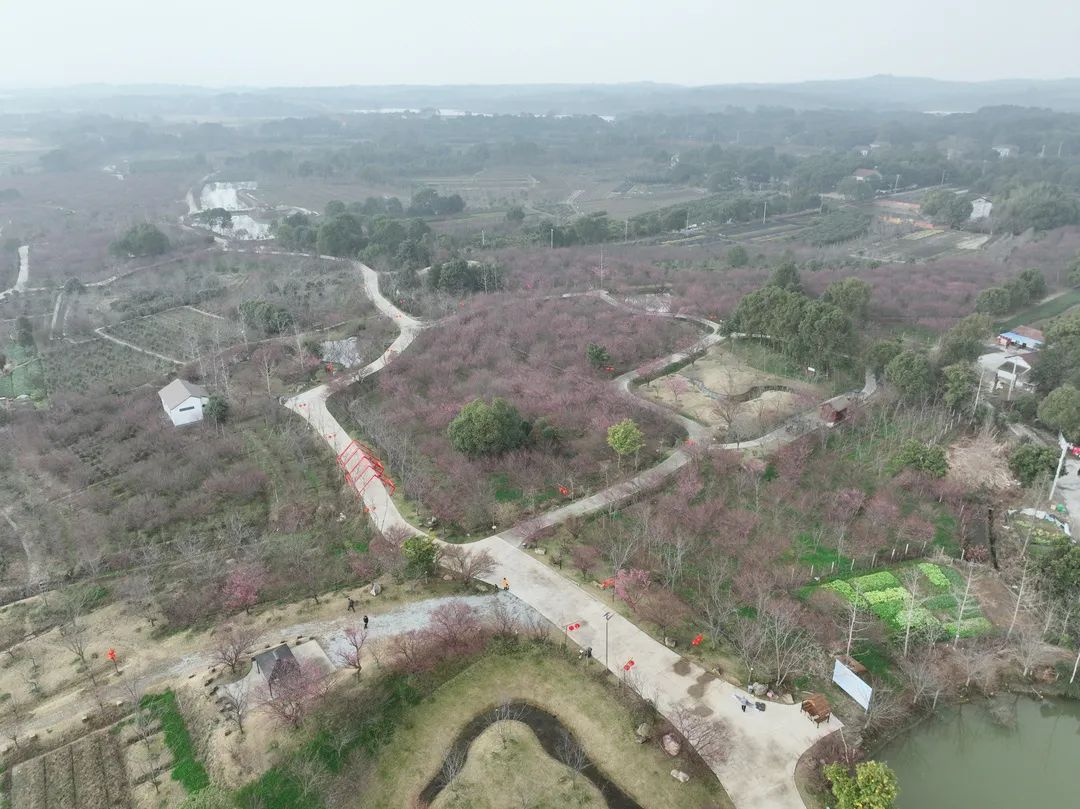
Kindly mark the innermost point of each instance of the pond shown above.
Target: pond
(551, 734)
(966, 759)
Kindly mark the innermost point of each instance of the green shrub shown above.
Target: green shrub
(934, 575)
(928, 458)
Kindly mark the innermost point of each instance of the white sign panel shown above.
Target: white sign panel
(853, 685)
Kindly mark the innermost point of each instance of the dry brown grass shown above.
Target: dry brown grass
(981, 462)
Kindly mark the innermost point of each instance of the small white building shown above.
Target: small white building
(981, 208)
(183, 401)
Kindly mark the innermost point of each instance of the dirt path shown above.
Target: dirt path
(100, 332)
(200, 657)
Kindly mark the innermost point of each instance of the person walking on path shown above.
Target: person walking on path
(506, 584)
(352, 605)
(365, 622)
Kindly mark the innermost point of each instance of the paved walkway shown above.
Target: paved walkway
(758, 772)
(311, 405)
(24, 273)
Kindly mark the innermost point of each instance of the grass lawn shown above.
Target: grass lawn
(586, 704)
(1041, 312)
(507, 764)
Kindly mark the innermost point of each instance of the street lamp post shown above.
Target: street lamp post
(607, 620)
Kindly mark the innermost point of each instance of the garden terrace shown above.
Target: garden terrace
(533, 354)
(117, 487)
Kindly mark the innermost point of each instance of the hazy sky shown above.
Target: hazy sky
(272, 42)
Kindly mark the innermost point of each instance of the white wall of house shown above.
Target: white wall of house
(188, 411)
(981, 208)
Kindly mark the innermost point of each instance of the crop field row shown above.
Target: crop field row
(180, 332)
(87, 774)
(97, 363)
(937, 609)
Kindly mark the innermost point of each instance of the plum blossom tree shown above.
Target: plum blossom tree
(242, 586)
(630, 585)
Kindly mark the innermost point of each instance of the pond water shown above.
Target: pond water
(551, 733)
(966, 759)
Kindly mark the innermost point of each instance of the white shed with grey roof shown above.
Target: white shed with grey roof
(183, 401)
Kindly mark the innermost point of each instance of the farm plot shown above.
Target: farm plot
(182, 332)
(932, 603)
(87, 774)
(725, 392)
(95, 364)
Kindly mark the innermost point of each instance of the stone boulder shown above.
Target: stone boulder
(787, 699)
(758, 689)
(642, 733)
(671, 745)
(376, 588)
(680, 776)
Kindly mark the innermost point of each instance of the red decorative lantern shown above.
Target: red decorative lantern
(697, 641)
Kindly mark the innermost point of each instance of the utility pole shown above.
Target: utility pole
(626, 231)
(483, 242)
(601, 266)
(1059, 147)
(764, 211)
(553, 238)
(688, 219)
(607, 620)
(943, 171)
(896, 184)
(1061, 463)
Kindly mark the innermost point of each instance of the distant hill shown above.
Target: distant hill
(879, 93)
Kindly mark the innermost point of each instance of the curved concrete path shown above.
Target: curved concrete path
(758, 772)
(24, 273)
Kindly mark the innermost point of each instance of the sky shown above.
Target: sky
(336, 42)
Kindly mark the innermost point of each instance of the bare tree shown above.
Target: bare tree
(468, 564)
(73, 631)
(857, 622)
(963, 603)
(708, 736)
(787, 648)
(1030, 649)
(15, 715)
(507, 712)
(351, 655)
(452, 766)
(231, 645)
(980, 661)
(144, 726)
(234, 703)
(294, 689)
(886, 711)
(717, 602)
(923, 675)
(913, 605)
(571, 754)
